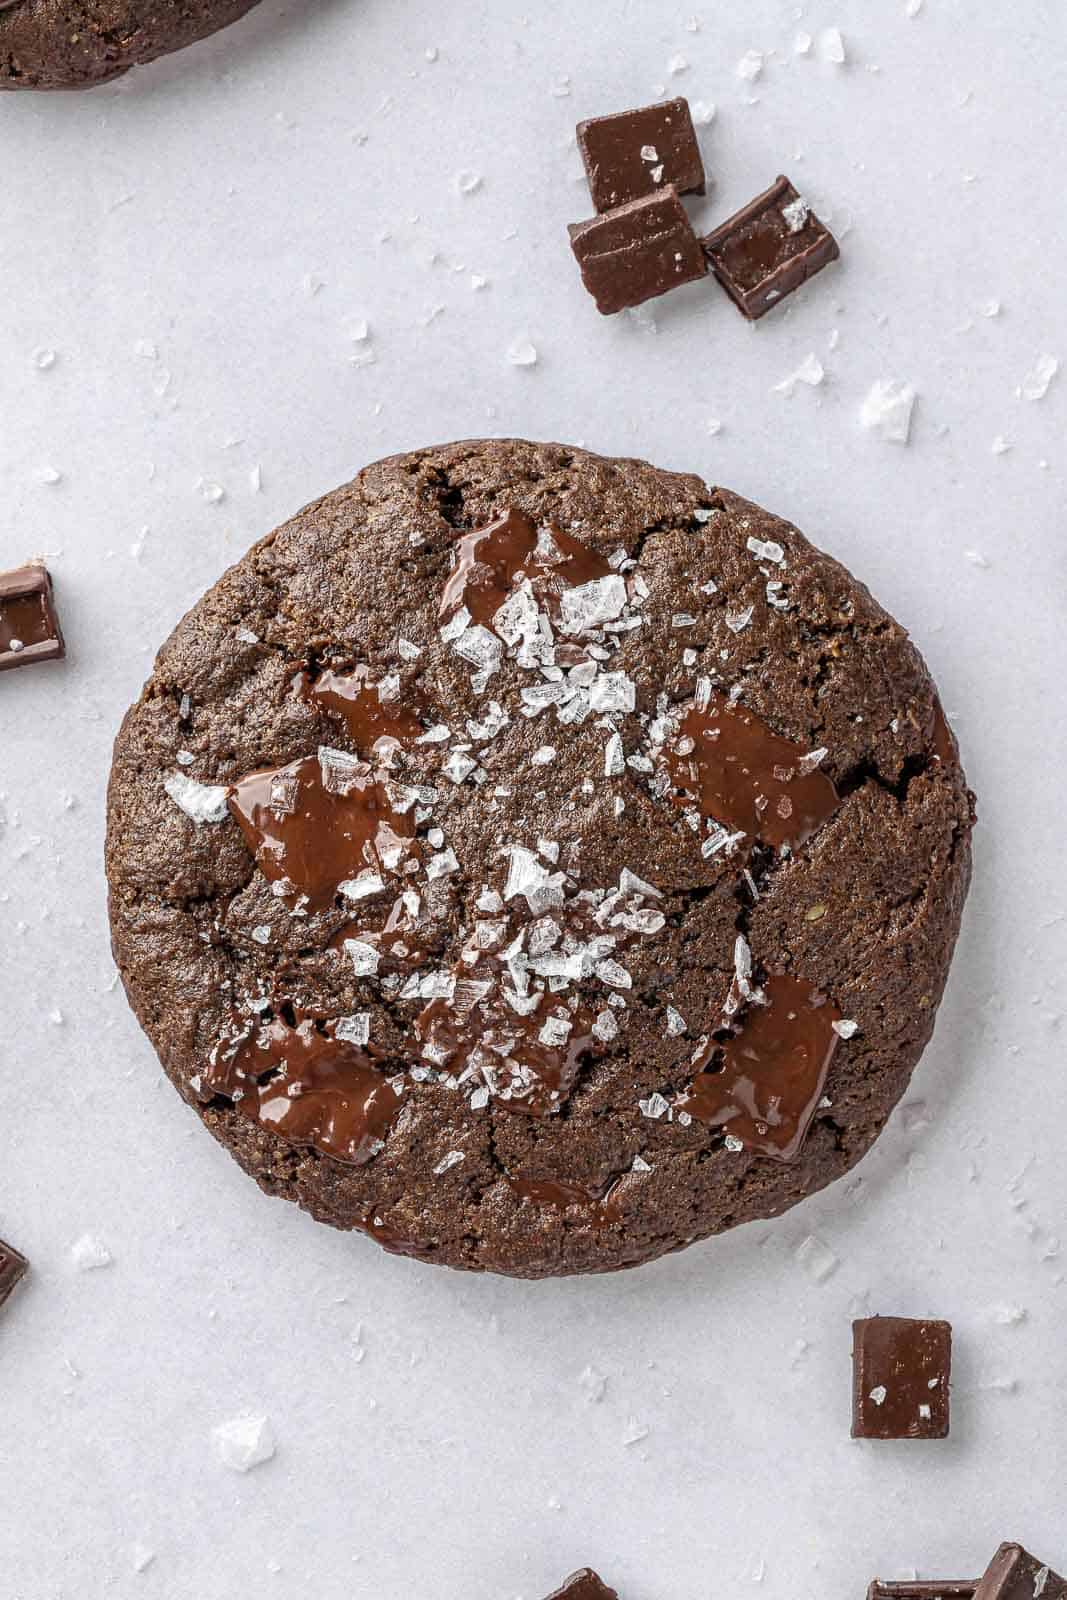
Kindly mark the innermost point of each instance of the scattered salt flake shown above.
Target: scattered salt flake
(990, 308)
(354, 1029)
(202, 802)
(912, 7)
(43, 358)
(1008, 1316)
(810, 372)
(802, 44)
(594, 1383)
(846, 1028)
(750, 65)
(878, 1395)
(817, 1259)
(1000, 445)
(676, 65)
(635, 1432)
(796, 213)
(654, 1107)
(641, 1165)
(976, 558)
(1035, 385)
(675, 1022)
(713, 426)
(255, 479)
(451, 1159)
(588, 605)
(738, 621)
(50, 475)
(544, 756)
(521, 353)
(887, 410)
(210, 491)
(467, 182)
(832, 46)
(703, 112)
(478, 281)
(141, 1557)
(244, 1442)
(89, 1253)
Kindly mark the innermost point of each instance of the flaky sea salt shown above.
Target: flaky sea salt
(1035, 385)
(202, 802)
(887, 410)
(817, 1259)
(244, 1442)
(521, 353)
(89, 1253)
(750, 65)
(845, 1029)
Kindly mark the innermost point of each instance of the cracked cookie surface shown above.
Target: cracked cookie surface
(477, 1040)
(75, 44)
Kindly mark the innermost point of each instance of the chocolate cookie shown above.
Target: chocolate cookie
(75, 44)
(537, 861)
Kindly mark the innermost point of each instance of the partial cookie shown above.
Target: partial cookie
(537, 861)
(75, 44)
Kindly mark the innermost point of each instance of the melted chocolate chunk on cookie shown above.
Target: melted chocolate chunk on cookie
(370, 710)
(583, 1585)
(493, 562)
(637, 252)
(901, 1369)
(29, 625)
(742, 774)
(323, 825)
(769, 248)
(308, 1085)
(636, 153)
(762, 1084)
(1014, 1574)
(598, 1203)
(13, 1268)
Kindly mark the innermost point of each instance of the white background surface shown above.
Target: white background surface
(237, 210)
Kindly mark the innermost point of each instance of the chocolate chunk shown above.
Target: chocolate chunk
(13, 1268)
(763, 1084)
(637, 153)
(583, 1585)
(900, 1378)
(924, 1589)
(29, 626)
(323, 825)
(637, 251)
(492, 562)
(768, 249)
(309, 1086)
(1014, 1574)
(746, 776)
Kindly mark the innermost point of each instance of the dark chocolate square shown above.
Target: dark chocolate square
(901, 1369)
(13, 1268)
(1014, 1574)
(768, 249)
(583, 1585)
(924, 1589)
(29, 626)
(637, 251)
(637, 153)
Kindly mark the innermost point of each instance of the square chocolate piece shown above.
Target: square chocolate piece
(768, 249)
(1014, 1574)
(924, 1589)
(29, 627)
(637, 251)
(637, 153)
(13, 1268)
(900, 1378)
(584, 1585)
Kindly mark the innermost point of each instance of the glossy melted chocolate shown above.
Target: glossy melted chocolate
(744, 775)
(599, 1204)
(491, 562)
(773, 1070)
(308, 1087)
(319, 822)
(373, 724)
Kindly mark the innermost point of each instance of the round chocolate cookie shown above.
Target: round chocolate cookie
(75, 44)
(537, 861)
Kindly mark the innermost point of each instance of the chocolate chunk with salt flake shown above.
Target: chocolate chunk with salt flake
(13, 1268)
(583, 1585)
(768, 249)
(637, 251)
(901, 1369)
(1014, 1574)
(636, 153)
(924, 1589)
(29, 625)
